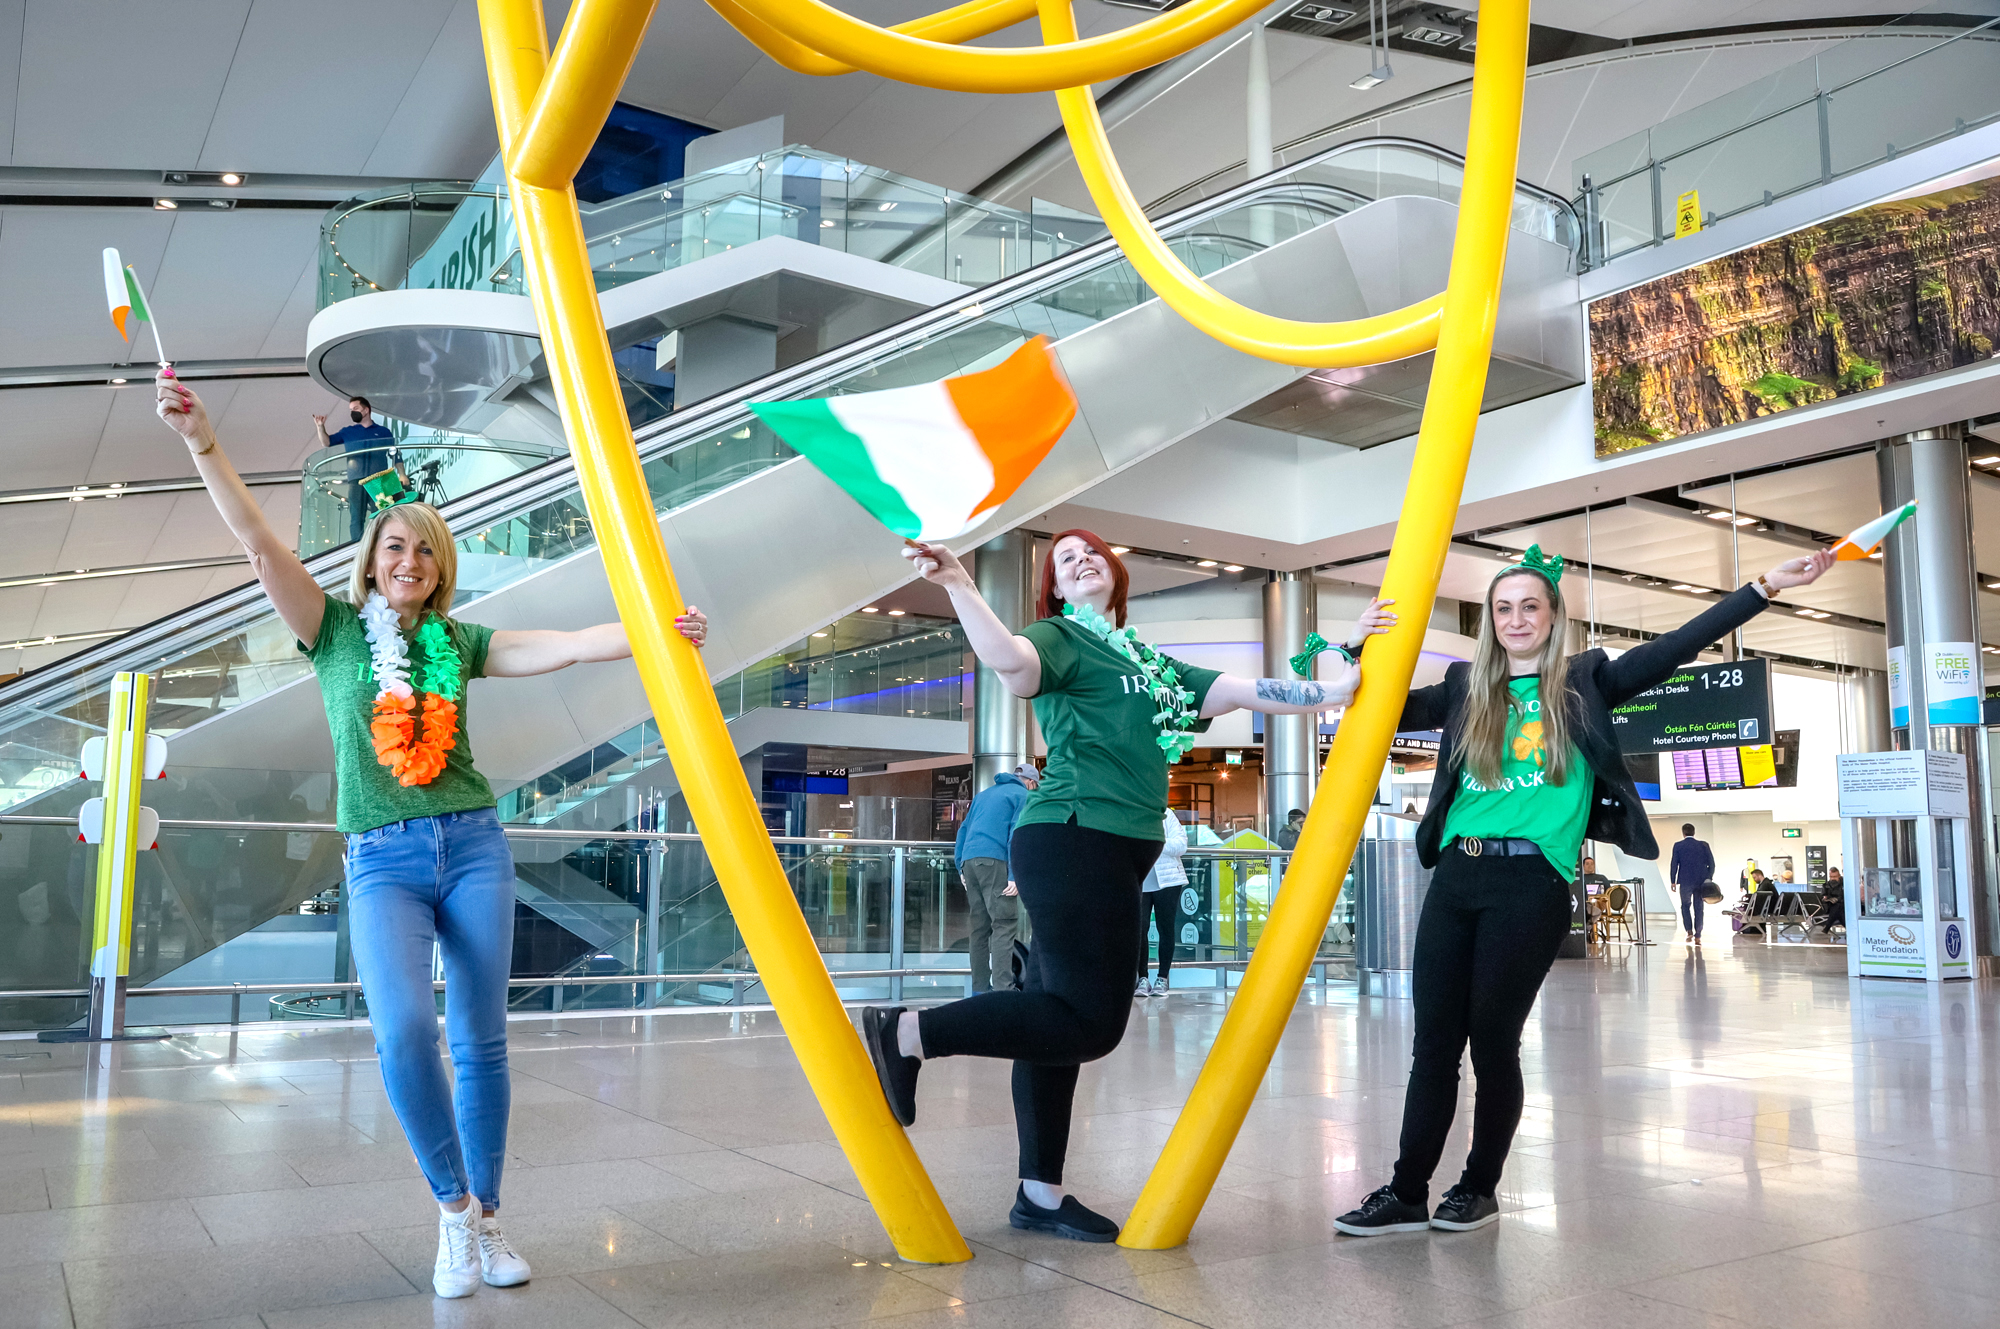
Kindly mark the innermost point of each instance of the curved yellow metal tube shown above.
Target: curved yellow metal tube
(1409, 331)
(1208, 1125)
(817, 27)
(977, 18)
(642, 582)
(600, 40)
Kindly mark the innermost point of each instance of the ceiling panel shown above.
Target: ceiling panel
(340, 97)
(442, 127)
(226, 278)
(52, 434)
(35, 531)
(52, 262)
(137, 445)
(268, 425)
(129, 84)
(13, 19)
(109, 533)
(1833, 496)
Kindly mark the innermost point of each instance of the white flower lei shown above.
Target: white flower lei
(1176, 716)
(385, 644)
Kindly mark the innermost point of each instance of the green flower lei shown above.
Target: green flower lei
(1176, 717)
(442, 671)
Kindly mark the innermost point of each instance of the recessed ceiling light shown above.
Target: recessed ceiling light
(819, 634)
(1684, 586)
(117, 382)
(231, 178)
(1121, 549)
(1206, 563)
(1232, 567)
(871, 609)
(164, 205)
(826, 223)
(885, 207)
(895, 613)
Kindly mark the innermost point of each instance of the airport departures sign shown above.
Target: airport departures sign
(1725, 705)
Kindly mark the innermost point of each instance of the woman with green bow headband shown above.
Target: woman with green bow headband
(1529, 767)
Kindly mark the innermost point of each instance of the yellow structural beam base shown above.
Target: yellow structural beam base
(578, 353)
(1230, 1078)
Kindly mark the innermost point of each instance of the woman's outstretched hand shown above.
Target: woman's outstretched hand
(1800, 571)
(177, 404)
(1376, 618)
(935, 563)
(694, 626)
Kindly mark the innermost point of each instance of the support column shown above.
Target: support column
(1258, 158)
(999, 718)
(1291, 742)
(1932, 612)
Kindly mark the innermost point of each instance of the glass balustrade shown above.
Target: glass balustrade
(254, 912)
(461, 237)
(1865, 99)
(232, 650)
(436, 468)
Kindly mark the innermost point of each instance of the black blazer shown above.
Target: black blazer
(1597, 683)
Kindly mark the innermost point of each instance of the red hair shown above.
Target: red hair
(1051, 604)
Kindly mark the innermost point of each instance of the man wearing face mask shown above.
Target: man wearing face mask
(367, 446)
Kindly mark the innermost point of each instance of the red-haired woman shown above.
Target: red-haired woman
(1115, 713)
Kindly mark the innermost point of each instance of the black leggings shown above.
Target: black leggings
(1489, 931)
(1163, 907)
(1082, 889)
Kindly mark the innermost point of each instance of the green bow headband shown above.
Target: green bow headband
(1302, 663)
(1549, 567)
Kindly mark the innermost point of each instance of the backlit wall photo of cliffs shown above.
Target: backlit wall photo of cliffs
(1891, 292)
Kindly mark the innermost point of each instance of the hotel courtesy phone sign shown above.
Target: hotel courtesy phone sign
(1726, 705)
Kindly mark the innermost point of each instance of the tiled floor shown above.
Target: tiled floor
(1711, 1141)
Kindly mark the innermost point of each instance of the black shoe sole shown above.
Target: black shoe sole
(1452, 1225)
(873, 1022)
(1384, 1231)
(1056, 1229)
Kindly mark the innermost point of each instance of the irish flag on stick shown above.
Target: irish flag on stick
(128, 301)
(1863, 541)
(928, 462)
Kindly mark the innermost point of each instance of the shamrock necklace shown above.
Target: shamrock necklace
(393, 728)
(1176, 716)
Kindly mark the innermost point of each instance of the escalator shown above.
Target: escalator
(757, 536)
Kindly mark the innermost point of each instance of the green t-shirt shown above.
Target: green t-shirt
(369, 794)
(1106, 767)
(1524, 806)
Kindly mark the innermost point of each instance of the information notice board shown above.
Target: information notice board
(1725, 705)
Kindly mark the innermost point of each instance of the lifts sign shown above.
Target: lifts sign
(1724, 705)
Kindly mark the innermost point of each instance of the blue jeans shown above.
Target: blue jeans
(1691, 907)
(450, 879)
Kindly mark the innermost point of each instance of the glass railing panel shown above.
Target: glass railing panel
(1944, 91)
(1769, 159)
(433, 467)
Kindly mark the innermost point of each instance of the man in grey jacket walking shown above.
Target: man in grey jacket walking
(989, 886)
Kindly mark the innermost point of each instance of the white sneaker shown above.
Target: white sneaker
(1143, 990)
(1159, 987)
(498, 1261)
(457, 1271)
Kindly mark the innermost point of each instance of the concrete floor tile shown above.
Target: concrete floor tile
(176, 1178)
(544, 1303)
(567, 1241)
(356, 1207)
(34, 1296)
(1301, 1287)
(711, 1224)
(390, 1160)
(1805, 1294)
(101, 1231)
(252, 1278)
(1074, 1307)
(23, 1190)
(804, 1285)
(1597, 1310)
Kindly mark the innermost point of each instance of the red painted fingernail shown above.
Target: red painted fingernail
(168, 372)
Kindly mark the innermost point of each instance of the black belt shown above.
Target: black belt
(1491, 847)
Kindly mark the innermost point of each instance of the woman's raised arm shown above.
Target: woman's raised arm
(294, 594)
(1014, 658)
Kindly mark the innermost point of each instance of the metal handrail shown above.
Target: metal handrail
(230, 610)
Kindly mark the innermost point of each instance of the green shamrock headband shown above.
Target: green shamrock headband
(1549, 567)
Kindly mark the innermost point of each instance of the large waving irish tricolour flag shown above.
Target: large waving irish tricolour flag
(930, 461)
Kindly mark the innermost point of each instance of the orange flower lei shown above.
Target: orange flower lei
(393, 727)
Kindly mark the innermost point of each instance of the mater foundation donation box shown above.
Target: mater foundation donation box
(1904, 827)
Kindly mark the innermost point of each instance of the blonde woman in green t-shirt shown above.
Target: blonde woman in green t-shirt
(426, 858)
(1529, 765)
(1115, 713)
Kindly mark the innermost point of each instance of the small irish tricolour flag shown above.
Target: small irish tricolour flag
(928, 462)
(121, 288)
(1864, 540)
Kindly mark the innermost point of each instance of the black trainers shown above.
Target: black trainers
(1461, 1210)
(897, 1072)
(1382, 1212)
(1070, 1219)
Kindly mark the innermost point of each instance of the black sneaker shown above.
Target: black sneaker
(1461, 1210)
(1382, 1212)
(1070, 1219)
(897, 1072)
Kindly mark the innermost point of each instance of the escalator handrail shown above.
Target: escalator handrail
(227, 611)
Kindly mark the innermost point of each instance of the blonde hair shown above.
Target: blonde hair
(1489, 702)
(430, 528)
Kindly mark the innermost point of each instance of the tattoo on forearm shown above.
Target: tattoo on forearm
(1293, 692)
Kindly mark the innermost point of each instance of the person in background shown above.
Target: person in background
(1288, 834)
(1692, 868)
(1763, 893)
(367, 447)
(1160, 901)
(990, 892)
(1743, 878)
(1833, 902)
